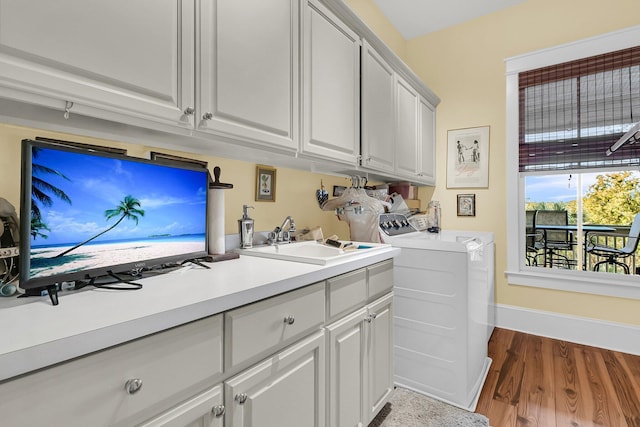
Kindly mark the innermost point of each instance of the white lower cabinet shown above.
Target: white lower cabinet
(347, 370)
(360, 364)
(285, 390)
(316, 356)
(204, 410)
(359, 343)
(379, 379)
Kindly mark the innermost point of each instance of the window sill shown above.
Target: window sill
(612, 285)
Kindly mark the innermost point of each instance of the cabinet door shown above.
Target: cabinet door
(407, 129)
(331, 87)
(248, 70)
(285, 390)
(379, 355)
(378, 121)
(347, 370)
(204, 410)
(427, 146)
(132, 58)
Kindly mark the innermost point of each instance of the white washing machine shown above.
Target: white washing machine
(443, 309)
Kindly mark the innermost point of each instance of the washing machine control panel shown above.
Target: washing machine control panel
(394, 224)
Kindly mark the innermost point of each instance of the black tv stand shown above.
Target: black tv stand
(197, 261)
(53, 294)
(52, 291)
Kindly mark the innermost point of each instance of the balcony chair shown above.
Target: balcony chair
(533, 239)
(612, 254)
(555, 241)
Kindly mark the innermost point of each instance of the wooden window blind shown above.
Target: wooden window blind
(571, 113)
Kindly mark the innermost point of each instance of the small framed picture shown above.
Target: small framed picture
(466, 205)
(265, 184)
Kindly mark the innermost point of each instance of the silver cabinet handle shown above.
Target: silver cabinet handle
(207, 116)
(241, 398)
(189, 111)
(289, 320)
(133, 385)
(218, 411)
(371, 317)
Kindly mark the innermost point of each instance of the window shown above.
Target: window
(565, 107)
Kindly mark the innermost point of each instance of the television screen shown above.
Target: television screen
(87, 213)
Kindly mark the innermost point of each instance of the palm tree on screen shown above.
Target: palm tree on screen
(42, 192)
(37, 228)
(129, 208)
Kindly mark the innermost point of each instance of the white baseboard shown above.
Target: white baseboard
(581, 330)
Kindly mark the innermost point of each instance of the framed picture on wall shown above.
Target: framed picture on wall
(468, 158)
(466, 205)
(265, 184)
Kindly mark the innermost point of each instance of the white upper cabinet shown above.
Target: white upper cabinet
(407, 143)
(248, 70)
(119, 56)
(427, 147)
(278, 77)
(398, 124)
(378, 123)
(331, 106)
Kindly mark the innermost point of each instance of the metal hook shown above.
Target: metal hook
(67, 106)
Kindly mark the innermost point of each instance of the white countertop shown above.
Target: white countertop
(37, 334)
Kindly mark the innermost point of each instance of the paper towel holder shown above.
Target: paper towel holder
(216, 237)
(217, 184)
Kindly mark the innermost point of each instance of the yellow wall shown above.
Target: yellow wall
(464, 65)
(295, 190)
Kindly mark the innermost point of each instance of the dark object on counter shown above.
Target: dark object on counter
(335, 243)
(221, 257)
(433, 229)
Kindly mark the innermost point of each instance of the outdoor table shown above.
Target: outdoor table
(586, 229)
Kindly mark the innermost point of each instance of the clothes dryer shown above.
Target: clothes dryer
(443, 309)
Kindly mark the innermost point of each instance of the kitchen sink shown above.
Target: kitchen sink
(311, 252)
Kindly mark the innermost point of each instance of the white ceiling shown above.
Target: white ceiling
(414, 18)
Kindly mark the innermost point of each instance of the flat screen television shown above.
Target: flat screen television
(86, 214)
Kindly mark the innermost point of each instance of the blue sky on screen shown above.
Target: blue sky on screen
(173, 199)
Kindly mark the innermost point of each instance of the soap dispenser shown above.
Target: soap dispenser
(245, 225)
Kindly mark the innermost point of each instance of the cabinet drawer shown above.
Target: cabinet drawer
(380, 278)
(347, 292)
(264, 326)
(172, 366)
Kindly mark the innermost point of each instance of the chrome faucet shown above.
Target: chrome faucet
(279, 235)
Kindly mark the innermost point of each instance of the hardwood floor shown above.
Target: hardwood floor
(542, 382)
